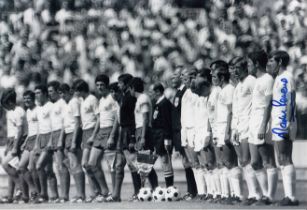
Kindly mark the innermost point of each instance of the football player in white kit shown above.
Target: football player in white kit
(283, 121)
(15, 117)
(242, 102)
(261, 148)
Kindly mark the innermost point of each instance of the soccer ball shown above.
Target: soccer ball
(159, 194)
(145, 194)
(172, 194)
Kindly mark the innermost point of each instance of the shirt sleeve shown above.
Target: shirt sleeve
(75, 108)
(228, 95)
(234, 121)
(95, 105)
(268, 88)
(20, 117)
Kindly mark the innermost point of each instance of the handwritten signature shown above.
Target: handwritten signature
(282, 131)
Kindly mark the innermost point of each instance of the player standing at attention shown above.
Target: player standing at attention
(116, 159)
(188, 128)
(283, 122)
(241, 108)
(261, 149)
(89, 112)
(176, 133)
(161, 132)
(58, 134)
(44, 156)
(127, 130)
(72, 141)
(26, 166)
(223, 117)
(102, 135)
(15, 117)
(143, 119)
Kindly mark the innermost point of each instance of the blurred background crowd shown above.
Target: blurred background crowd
(43, 40)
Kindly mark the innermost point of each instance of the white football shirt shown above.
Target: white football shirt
(283, 122)
(224, 99)
(71, 110)
(107, 111)
(15, 118)
(57, 114)
(43, 116)
(89, 111)
(32, 121)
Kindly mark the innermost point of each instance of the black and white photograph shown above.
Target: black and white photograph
(153, 104)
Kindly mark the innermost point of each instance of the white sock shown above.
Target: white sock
(200, 181)
(251, 181)
(289, 178)
(262, 180)
(237, 180)
(225, 182)
(217, 182)
(207, 175)
(272, 182)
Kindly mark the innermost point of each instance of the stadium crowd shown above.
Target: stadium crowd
(63, 40)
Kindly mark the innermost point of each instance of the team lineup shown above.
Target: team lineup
(231, 123)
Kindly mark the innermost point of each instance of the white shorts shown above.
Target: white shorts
(200, 138)
(243, 129)
(187, 137)
(254, 127)
(220, 129)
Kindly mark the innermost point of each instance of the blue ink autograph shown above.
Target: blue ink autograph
(282, 131)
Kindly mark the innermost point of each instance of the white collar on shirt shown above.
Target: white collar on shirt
(160, 99)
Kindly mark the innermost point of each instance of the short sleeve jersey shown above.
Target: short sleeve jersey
(89, 110)
(57, 114)
(263, 88)
(32, 121)
(224, 99)
(107, 111)
(43, 116)
(15, 118)
(71, 111)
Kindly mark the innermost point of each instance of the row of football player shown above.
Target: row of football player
(203, 130)
(235, 124)
(78, 129)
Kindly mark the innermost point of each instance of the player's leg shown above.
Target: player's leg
(198, 173)
(205, 173)
(284, 155)
(268, 158)
(95, 169)
(230, 172)
(217, 172)
(167, 167)
(32, 169)
(119, 165)
(40, 168)
(51, 179)
(26, 175)
(63, 175)
(77, 173)
(257, 165)
(210, 165)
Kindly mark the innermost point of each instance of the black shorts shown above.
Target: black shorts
(102, 137)
(68, 140)
(177, 140)
(30, 143)
(43, 140)
(127, 135)
(86, 134)
(55, 139)
(148, 138)
(158, 141)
